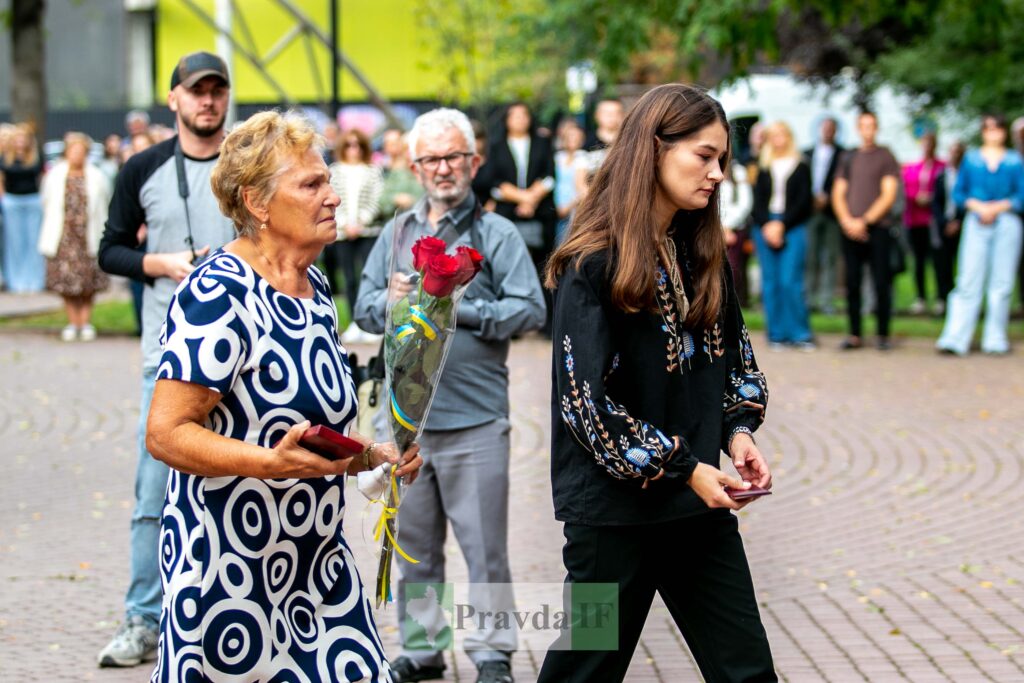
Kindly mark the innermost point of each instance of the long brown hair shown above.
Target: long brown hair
(617, 215)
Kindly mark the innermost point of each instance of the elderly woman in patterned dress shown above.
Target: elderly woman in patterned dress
(654, 378)
(75, 196)
(259, 583)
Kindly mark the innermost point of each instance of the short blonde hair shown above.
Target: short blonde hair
(253, 156)
(768, 154)
(75, 138)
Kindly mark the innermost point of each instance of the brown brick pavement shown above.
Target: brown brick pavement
(891, 550)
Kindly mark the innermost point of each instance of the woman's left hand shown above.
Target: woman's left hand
(408, 465)
(352, 231)
(749, 462)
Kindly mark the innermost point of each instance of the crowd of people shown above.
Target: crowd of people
(630, 250)
(819, 218)
(779, 204)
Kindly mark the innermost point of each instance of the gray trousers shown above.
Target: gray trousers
(823, 257)
(464, 480)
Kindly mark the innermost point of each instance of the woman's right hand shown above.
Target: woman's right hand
(289, 460)
(708, 483)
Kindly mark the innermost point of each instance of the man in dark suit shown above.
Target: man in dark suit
(822, 229)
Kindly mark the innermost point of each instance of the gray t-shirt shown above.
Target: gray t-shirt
(147, 193)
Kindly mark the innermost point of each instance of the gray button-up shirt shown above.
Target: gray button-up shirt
(503, 300)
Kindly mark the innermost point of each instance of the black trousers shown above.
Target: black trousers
(699, 568)
(874, 252)
(945, 263)
(921, 246)
(352, 255)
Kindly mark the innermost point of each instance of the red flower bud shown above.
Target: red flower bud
(442, 275)
(424, 249)
(470, 263)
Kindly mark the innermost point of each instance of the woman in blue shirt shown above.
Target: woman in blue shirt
(990, 187)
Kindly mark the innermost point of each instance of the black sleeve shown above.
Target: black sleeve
(624, 446)
(746, 391)
(762, 196)
(119, 253)
(799, 199)
(547, 165)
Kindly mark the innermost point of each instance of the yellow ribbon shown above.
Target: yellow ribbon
(387, 514)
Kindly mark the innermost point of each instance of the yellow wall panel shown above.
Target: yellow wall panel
(379, 36)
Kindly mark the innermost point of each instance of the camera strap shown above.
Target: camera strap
(179, 167)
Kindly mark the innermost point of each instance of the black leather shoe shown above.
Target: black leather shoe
(494, 672)
(404, 670)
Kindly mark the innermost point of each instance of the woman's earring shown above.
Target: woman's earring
(263, 226)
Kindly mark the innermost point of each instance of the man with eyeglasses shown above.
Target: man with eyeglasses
(167, 189)
(465, 445)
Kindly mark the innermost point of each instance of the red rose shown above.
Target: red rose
(470, 263)
(424, 249)
(442, 275)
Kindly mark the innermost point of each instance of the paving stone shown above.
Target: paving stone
(885, 553)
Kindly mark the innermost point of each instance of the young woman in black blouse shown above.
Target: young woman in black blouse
(654, 376)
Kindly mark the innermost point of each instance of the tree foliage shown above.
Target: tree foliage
(955, 51)
(976, 62)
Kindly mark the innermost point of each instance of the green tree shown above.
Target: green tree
(28, 60)
(913, 43)
(975, 62)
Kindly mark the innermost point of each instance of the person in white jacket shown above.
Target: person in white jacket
(75, 198)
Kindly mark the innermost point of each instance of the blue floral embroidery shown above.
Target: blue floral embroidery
(570, 364)
(625, 455)
(638, 456)
(746, 391)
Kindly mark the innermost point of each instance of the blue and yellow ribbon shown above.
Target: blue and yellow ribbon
(401, 417)
(425, 323)
(404, 331)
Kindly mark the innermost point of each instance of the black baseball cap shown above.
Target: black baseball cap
(193, 67)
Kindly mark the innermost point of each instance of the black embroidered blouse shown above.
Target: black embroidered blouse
(625, 384)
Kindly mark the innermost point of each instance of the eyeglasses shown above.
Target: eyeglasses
(434, 163)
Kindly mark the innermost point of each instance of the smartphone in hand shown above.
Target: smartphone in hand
(329, 444)
(747, 494)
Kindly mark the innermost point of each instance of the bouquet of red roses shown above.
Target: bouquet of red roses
(418, 333)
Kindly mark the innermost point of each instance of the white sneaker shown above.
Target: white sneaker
(87, 333)
(69, 334)
(134, 643)
(918, 307)
(351, 334)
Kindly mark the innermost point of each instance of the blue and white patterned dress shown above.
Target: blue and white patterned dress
(259, 584)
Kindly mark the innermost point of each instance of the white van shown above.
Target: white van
(774, 97)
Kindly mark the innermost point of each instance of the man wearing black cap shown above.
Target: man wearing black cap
(165, 188)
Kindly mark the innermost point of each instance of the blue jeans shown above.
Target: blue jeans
(24, 266)
(987, 265)
(782, 286)
(144, 591)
